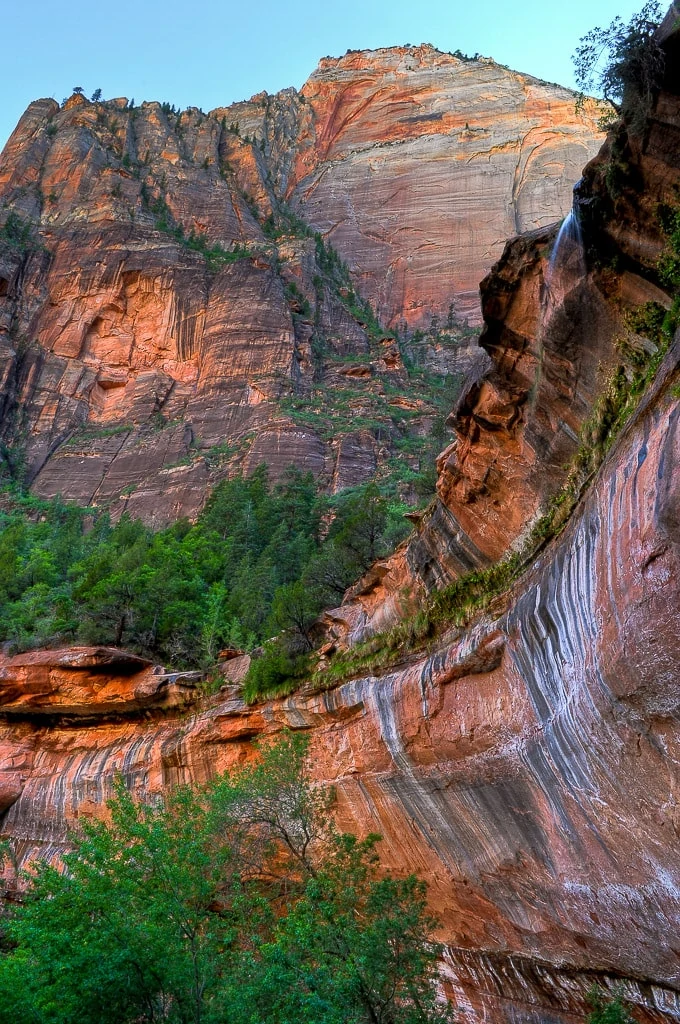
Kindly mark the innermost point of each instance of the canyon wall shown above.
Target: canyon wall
(551, 323)
(527, 765)
(167, 317)
(527, 769)
(410, 151)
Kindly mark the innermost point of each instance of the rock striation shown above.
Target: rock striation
(525, 769)
(167, 316)
(550, 330)
(409, 151)
(526, 766)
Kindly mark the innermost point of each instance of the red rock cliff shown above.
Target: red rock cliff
(136, 372)
(528, 766)
(551, 344)
(410, 150)
(526, 769)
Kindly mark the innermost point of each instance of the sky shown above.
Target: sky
(211, 53)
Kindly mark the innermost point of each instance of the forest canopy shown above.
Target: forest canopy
(260, 559)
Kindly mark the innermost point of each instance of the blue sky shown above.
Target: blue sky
(211, 53)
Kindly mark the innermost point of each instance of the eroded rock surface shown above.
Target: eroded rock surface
(408, 153)
(137, 369)
(551, 323)
(526, 769)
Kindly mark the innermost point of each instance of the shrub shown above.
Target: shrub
(607, 1009)
(16, 232)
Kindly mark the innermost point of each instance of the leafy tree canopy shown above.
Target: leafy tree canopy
(608, 1009)
(624, 63)
(257, 562)
(235, 902)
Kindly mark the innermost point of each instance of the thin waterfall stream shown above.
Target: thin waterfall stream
(566, 269)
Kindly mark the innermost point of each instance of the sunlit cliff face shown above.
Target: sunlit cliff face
(526, 766)
(523, 769)
(152, 372)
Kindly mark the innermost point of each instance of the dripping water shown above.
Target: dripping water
(567, 263)
(566, 269)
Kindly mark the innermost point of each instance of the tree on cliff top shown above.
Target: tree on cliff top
(237, 902)
(624, 63)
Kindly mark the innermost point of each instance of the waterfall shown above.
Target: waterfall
(566, 269)
(567, 262)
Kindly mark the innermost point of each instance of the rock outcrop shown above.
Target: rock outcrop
(167, 317)
(526, 769)
(550, 329)
(409, 149)
(527, 765)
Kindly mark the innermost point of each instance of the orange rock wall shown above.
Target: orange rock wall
(419, 166)
(551, 334)
(526, 769)
(134, 375)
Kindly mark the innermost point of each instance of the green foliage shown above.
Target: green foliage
(284, 222)
(297, 301)
(275, 672)
(237, 901)
(617, 171)
(607, 1009)
(366, 526)
(624, 63)
(17, 233)
(365, 406)
(253, 565)
(215, 255)
(452, 606)
(669, 263)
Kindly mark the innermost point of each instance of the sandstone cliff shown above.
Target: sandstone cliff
(550, 333)
(527, 766)
(167, 317)
(526, 769)
(409, 151)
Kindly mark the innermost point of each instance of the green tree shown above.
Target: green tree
(237, 902)
(607, 1009)
(624, 63)
(295, 609)
(360, 524)
(354, 948)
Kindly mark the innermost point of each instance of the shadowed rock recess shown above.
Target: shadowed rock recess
(526, 765)
(168, 316)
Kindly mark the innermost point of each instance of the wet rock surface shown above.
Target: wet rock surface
(525, 769)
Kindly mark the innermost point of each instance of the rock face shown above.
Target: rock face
(166, 316)
(410, 150)
(526, 769)
(551, 319)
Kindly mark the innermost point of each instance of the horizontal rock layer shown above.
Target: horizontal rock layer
(526, 769)
(419, 166)
(135, 371)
